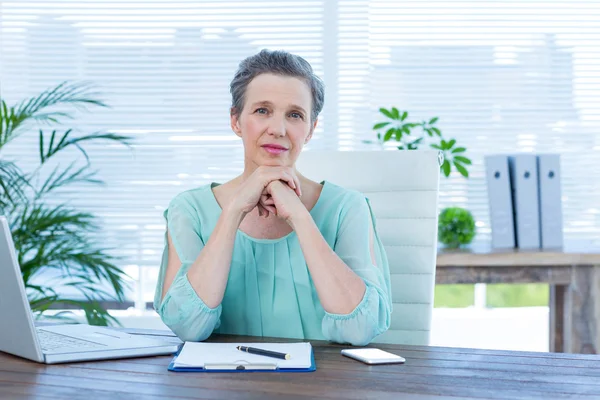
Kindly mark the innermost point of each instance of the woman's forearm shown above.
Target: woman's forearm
(208, 274)
(339, 288)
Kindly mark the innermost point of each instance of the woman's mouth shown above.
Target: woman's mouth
(274, 148)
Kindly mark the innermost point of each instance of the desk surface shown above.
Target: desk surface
(429, 373)
(573, 253)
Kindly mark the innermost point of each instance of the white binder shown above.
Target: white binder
(551, 218)
(500, 201)
(523, 177)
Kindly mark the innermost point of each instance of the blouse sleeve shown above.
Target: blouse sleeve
(353, 245)
(181, 309)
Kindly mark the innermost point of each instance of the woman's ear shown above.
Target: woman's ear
(235, 121)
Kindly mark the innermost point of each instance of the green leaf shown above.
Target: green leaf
(398, 134)
(414, 145)
(463, 160)
(433, 120)
(458, 150)
(41, 144)
(395, 113)
(435, 146)
(437, 131)
(380, 125)
(13, 186)
(404, 115)
(406, 129)
(76, 142)
(386, 113)
(463, 171)
(58, 238)
(388, 134)
(44, 108)
(451, 143)
(68, 176)
(446, 168)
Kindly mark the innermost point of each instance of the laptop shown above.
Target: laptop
(57, 343)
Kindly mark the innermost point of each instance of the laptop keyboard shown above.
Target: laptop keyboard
(52, 341)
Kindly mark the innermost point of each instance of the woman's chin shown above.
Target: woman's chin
(274, 162)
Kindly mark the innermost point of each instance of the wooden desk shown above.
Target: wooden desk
(573, 274)
(429, 373)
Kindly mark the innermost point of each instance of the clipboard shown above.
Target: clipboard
(241, 366)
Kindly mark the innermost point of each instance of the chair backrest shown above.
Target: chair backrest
(402, 187)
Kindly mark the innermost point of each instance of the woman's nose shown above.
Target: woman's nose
(277, 127)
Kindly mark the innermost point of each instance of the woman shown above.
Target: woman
(272, 253)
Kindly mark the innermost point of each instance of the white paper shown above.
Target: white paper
(199, 354)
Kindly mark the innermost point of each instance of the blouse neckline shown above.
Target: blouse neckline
(260, 240)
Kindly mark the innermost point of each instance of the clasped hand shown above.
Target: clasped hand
(273, 190)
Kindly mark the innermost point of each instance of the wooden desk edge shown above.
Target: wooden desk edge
(517, 259)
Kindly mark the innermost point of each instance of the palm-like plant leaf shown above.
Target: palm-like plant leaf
(55, 241)
(55, 245)
(95, 314)
(42, 108)
(59, 178)
(58, 239)
(13, 184)
(66, 142)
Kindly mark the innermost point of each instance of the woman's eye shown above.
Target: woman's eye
(296, 115)
(261, 110)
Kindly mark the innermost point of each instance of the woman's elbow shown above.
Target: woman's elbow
(190, 326)
(352, 335)
(359, 330)
(186, 330)
(187, 335)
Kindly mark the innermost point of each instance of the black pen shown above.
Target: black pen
(261, 352)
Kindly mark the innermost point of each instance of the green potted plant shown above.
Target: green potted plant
(410, 135)
(48, 237)
(456, 227)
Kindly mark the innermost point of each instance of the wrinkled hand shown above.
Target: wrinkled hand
(251, 192)
(282, 201)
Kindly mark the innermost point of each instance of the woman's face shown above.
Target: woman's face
(275, 121)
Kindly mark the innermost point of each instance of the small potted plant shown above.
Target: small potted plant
(407, 135)
(456, 227)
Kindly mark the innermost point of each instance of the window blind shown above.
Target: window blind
(502, 76)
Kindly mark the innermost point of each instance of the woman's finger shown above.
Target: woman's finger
(289, 179)
(268, 204)
(293, 182)
(297, 189)
(285, 175)
(271, 209)
(263, 212)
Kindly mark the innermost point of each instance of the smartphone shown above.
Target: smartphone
(373, 356)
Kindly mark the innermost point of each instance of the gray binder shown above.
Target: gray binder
(500, 201)
(551, 218)
(523, 177)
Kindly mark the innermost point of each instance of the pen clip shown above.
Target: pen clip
(240, 367)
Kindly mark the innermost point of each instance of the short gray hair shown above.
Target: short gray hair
(276, 62)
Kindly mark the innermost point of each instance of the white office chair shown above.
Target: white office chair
(402, 187)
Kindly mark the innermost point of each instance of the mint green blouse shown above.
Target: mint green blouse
(269, 291)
